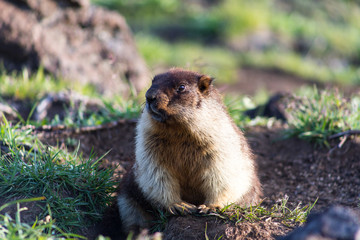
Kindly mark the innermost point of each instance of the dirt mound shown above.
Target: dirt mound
(72, 39)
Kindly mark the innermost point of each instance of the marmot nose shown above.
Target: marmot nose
(150, 96)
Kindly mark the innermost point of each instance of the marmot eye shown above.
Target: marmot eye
(181, 88)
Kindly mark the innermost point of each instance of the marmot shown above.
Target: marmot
(189, 153)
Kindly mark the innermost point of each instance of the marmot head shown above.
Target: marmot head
(176, 94)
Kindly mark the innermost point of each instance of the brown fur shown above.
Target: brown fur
(182, 153)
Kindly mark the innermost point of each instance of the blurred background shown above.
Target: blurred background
(271, 44)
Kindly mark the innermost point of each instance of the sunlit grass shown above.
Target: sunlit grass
(316, 115)
(75, 189)
(280, 211)
(24, 85)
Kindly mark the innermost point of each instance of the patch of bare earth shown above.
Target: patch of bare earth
(306, 172)
(31, 211)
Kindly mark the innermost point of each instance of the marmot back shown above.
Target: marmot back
(188, 153)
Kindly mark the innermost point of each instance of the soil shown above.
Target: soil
(291, 168)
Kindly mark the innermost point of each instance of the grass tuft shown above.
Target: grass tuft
(290, 217)
(316, 115)
(75, 189)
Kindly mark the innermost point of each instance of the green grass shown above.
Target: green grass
(75, 190)
(279, 211)
(316, 115)
(313, 115)
(34, 86)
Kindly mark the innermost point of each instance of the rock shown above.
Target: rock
(274, 107)
(73, 40)
(64, 104)
(335, 223)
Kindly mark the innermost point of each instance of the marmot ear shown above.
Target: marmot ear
(204, 83)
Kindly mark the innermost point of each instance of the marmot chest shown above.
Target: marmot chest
(186, 160)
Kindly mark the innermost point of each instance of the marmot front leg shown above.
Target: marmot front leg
(166, 192)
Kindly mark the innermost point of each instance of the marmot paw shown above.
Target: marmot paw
(183, 208)
(207, 209)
